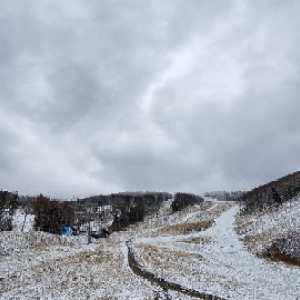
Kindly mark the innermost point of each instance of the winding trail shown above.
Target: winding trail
(164, 284)
(252, 278)
(235, 272)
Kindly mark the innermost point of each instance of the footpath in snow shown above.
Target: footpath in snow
(228, 270)
(256, 278)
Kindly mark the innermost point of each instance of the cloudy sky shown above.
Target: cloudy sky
(107, 96)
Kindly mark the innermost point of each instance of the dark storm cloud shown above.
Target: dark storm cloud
(147, 95)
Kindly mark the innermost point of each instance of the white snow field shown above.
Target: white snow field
(212, 261)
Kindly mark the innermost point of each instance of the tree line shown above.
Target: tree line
(9, 202)
(225, 196)
(272, 194)
(183, 200)
(122, 209)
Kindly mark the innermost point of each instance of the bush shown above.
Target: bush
(272, 194)
(183, 200)
(8, 204)
(285, 249)
(50, 215)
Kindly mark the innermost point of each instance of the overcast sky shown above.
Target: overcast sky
(154, 95)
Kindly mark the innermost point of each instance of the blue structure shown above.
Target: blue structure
(66, 230)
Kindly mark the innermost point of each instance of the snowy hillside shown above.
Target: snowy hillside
(260, 230)
(191, 254)
(216, 262)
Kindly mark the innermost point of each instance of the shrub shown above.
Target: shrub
(285, 249)
(50, 215)
(183, 200)
(8, 204)
(272, 194)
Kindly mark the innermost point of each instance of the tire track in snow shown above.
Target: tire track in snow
(164, 284)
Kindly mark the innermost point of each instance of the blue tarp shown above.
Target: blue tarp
(66, 230)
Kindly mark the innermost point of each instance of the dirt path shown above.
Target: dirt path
(165, 285)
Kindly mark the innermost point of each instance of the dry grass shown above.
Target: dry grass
(61, 264)
(262, 244)
(219, 208)
(242, 224)
(172, 264)
(254, 242)
(198, 240)
(257, 243)
(163, 257)
(98, 256)
(78, 273)
(167, 223)
(272, 253)
(186, 228)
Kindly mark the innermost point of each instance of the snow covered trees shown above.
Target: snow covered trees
(51, 214)
(182, 200)
(224, 195)
(8, 204)
(285, 249)
(123, 208)
(272, 194)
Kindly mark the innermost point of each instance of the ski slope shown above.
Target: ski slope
(226, 268)
(213, 263)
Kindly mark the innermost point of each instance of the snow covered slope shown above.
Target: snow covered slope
(211, 261)
(259, 230)
(218, 264)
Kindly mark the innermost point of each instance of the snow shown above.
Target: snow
(22, 221)
(259, 230)
(37, 265)
(80, 271)
(285, 219)
(228, 257)
(236, 273)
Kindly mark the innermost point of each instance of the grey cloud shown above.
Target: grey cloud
(222, 79)
(248, 140)
(8, 142)
(75, 93)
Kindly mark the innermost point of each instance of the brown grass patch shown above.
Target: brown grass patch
(198, 240)
(242, 224)
(251, 241)
(162, 257)
(186, 228)
(98, 256)
(273, 254)
(284, 249)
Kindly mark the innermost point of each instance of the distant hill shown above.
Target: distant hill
(272, 194)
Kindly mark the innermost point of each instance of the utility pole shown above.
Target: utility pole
(89, 224)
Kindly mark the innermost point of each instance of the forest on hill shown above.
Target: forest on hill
(114, 211)
(272, 194)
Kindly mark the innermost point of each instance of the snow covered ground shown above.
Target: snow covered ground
(259, 230)
(22, 221)
(80, 271)
(213, 261)
(218, 264)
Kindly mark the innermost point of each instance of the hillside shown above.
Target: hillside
(194, 253)
(269, 222)
(273, 233)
